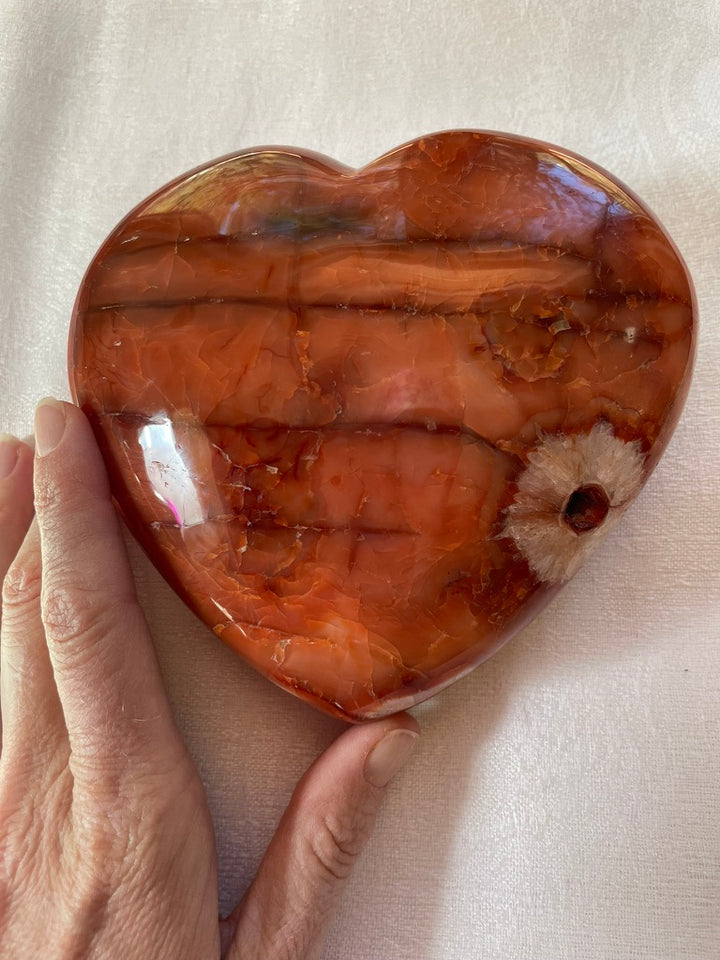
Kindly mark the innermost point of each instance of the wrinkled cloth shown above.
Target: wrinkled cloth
(563, 801)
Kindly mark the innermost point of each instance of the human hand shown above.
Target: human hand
(106, 843)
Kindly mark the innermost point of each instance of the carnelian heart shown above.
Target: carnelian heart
(367, 422)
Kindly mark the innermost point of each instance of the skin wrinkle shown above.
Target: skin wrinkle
(46, 749)
(30, 823)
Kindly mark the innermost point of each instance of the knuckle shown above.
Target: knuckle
(75, 616)
(335, 844)
(22, 586)
(108, 836)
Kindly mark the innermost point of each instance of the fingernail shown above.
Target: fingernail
(49, 425)
(9, 449)
(388, 756)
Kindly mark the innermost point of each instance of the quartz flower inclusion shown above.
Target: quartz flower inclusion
(367, 422)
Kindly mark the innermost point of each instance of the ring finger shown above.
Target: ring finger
(16, 498)
(33, 724)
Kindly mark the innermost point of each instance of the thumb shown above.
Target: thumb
(286, 910)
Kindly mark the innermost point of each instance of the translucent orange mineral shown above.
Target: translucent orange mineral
(367, 422)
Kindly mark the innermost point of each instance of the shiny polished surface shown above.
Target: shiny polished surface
(368, 422)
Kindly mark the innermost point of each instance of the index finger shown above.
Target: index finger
(102, 655)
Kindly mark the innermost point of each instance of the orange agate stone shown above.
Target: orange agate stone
(367, 422)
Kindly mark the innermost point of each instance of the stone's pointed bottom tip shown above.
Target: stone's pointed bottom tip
(367, 422)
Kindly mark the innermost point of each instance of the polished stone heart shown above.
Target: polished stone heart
(367, 422)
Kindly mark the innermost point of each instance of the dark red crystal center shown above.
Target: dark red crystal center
(586, 508)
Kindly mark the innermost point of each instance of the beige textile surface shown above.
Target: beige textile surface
(564, 801)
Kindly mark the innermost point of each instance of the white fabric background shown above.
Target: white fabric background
(564, 801)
